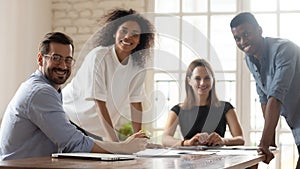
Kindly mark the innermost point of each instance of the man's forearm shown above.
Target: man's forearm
(263, 108)
(272, 113)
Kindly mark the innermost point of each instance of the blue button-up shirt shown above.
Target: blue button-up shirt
(35, 123)
(279, 76)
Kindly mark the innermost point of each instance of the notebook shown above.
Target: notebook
(95, 156)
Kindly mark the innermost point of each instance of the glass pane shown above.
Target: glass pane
(226, 87)
(265, 5)
(288, 150)
(188, 55)
(167, 26)
(268, 22)
(166, 95)
(194, 41)
(288, 5)
(288, 28)
(223, 5)
(255, 138)
(257, 119)
(166, 57)
(194, 5)
(166, 54)
(223, 51)
(183, 92)
(163, 6)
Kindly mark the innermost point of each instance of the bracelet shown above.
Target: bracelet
(182, 142)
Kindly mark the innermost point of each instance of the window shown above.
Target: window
(190, 29)
(185, 33)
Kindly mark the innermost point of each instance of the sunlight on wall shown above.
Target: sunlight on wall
(23, 23)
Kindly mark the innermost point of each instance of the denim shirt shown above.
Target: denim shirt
(279, 77)
(35, 124)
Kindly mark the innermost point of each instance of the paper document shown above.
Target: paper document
(197, 148)
(169, 153)
(219, 148)
(95, 156)
(238, 148)
(235, 152)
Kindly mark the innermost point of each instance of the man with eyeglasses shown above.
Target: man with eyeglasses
(69, 61)
(35, 124)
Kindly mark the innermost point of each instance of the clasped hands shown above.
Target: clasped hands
(212, 139)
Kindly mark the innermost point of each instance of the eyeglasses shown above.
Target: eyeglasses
(57, 59)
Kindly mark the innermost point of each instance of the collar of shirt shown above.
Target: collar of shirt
(40, 74)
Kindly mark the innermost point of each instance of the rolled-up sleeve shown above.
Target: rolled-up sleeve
(47, 113)
(285, 64)
(262, 97)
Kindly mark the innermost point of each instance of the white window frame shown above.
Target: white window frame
(243, 80)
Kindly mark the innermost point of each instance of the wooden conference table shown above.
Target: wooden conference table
(212, 161)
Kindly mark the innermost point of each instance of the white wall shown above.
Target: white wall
(22, 25)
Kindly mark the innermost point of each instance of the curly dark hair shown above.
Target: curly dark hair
(117, 17)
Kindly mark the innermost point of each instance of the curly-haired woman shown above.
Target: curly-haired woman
(110, 82)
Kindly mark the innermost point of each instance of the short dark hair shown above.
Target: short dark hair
(57, 37)
(244, 17)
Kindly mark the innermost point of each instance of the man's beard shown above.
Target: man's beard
(55, 79)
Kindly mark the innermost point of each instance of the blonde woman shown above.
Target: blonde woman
(202, 117)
